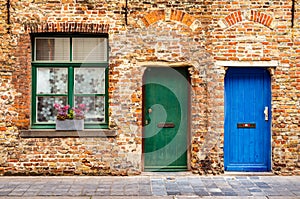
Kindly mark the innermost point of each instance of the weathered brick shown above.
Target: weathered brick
(225, 30)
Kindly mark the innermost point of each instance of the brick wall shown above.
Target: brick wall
(194, 33)
(263, 32)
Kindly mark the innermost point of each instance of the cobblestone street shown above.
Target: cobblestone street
(151, 186)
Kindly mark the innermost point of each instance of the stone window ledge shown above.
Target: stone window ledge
(52, 133)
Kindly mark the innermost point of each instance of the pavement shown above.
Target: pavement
(151, 186)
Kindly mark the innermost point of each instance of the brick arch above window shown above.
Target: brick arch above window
(169, 15)
(66, 27)
(240, 16)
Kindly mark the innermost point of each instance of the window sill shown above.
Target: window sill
(52, 133)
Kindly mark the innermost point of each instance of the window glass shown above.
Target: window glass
(89, 49)
(52, 80)
(45, 108)
(52, 49)
(95, 107)
(90, 80)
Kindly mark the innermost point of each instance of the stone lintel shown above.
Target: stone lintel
(165, 64)
(247, 63)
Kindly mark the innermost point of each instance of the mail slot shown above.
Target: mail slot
(246, 125)
(166, 125)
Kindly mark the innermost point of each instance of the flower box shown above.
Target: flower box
(69, 125)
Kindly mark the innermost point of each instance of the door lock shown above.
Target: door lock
(266, 112)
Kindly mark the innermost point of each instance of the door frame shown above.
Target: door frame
(270, 66)
(188, 111)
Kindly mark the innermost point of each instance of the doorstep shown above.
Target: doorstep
(233, 173)
(179, 173)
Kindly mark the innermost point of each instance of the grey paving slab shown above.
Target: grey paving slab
(162, 186)
(202, 193)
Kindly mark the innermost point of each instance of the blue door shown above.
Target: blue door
(247, 139)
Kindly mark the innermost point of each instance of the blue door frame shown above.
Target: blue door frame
(247, 138)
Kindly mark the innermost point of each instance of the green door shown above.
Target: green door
(165, 119)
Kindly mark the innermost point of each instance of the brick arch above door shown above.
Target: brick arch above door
(169, 15)
(240, 16)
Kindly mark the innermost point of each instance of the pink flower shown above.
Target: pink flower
(64, 111)
(57, 106)
(66, 107)
(81, 106)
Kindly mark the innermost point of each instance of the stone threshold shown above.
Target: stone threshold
(167, 174)
(52, 133)
(234, 173)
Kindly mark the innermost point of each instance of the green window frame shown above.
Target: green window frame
(69, 69)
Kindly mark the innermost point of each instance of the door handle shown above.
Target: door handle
(266, 112)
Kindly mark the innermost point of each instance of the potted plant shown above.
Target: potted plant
(70, 118)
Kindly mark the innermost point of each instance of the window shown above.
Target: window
(69, 70)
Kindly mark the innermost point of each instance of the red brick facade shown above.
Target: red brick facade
(208, 36)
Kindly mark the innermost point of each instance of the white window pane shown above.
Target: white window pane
(52, 80)
(90, 80)
(95, 107)
(89, 49)
(45, 108)
(52, 49)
